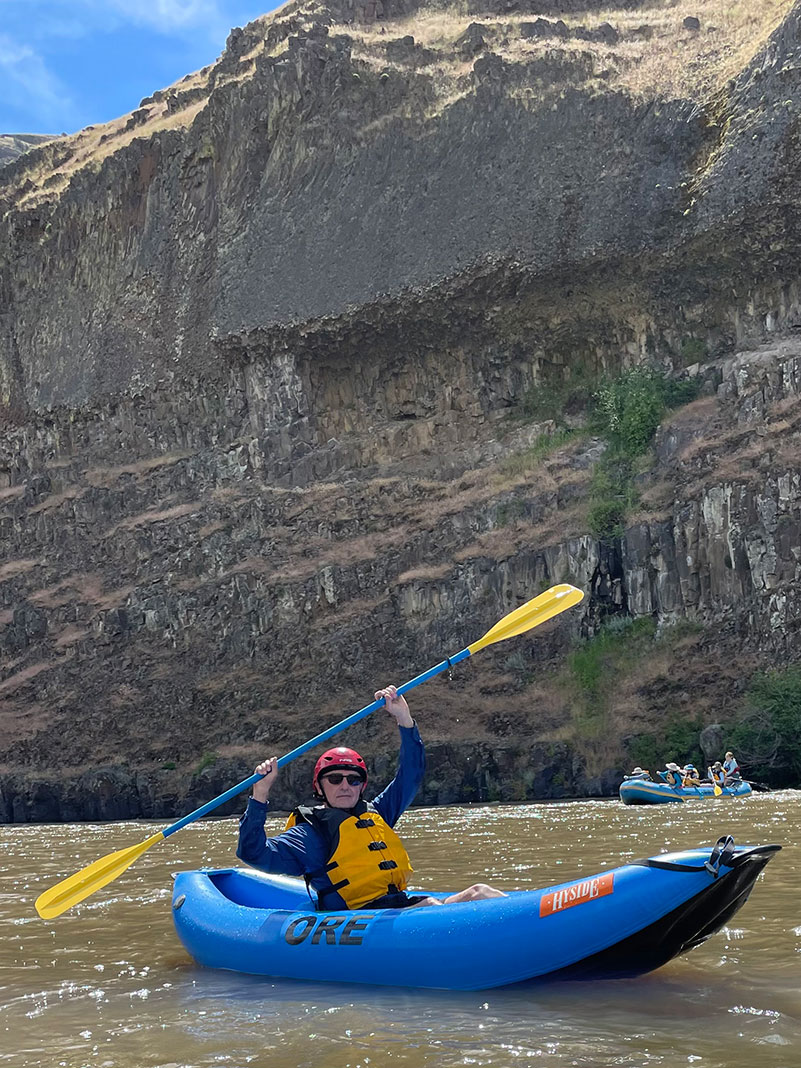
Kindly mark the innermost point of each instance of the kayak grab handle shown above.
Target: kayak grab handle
(721, 854)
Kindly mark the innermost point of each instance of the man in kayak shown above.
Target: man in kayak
(344, 847)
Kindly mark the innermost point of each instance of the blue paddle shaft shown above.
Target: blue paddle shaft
(318, 740)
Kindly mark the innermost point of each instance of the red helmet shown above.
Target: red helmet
(339, 758)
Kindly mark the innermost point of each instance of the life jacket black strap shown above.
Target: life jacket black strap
(321, 871)
(334, 888)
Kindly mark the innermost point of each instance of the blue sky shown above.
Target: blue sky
(67, 63)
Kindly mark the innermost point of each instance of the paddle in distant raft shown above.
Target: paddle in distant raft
(83, 884)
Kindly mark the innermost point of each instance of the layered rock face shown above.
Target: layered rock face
(266, 349)
(13, 145)
(310, 180)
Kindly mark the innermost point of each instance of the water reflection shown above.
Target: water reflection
(108, 984)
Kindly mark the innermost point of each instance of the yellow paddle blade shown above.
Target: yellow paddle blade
(717, 790)
(76, 887)
(531, 614)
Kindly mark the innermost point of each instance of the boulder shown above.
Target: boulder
(712, 741)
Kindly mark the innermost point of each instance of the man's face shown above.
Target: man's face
(341, 789)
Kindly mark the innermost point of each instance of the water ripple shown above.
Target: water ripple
(108, 984)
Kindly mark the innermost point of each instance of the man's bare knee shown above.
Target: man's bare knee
(476, 892)
(481, 891)
(427, 901)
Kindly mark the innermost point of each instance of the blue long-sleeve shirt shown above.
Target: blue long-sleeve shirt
(302, 849)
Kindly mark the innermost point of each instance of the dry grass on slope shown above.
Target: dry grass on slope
(656, 56)
(678, 62)
(87, 149)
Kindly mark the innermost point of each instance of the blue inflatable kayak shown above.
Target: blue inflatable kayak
(619, 922)
(643, 792)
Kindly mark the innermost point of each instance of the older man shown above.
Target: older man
(344, 847)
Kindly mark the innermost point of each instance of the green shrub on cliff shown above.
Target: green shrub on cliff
(598, 660)
(629, 407)
(767, 740)
(598, 663)
(627, 410)
(206, 761)
(612, 495)
(693, 350)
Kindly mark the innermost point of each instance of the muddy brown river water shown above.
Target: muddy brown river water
(108, 985)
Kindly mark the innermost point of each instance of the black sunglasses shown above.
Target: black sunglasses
(335, 778)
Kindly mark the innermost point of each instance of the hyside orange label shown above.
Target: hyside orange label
(577, 894)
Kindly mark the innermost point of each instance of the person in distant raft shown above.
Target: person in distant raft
(672, 774)
(639, 773)
(732, 769)
(717, 774)
(690, 775)
(344, 847)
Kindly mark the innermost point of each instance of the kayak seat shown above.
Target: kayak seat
(284, 892)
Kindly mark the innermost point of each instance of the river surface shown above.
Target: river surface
(109, 985)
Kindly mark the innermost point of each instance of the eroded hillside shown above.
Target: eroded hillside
(283, 357)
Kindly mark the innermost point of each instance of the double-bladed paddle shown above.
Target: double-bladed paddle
(82, 884)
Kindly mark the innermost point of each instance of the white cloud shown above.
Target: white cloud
(33, 35)
(45, 20)
(29, 85)
(164, 16)
(169, 14)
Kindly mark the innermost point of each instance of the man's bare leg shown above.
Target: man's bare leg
(476, 892)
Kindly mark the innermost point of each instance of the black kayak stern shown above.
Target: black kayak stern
(681, 930)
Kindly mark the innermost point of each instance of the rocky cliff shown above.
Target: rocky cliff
(278, 355)
(13, 145)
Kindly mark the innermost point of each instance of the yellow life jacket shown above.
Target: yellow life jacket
(366, 858)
